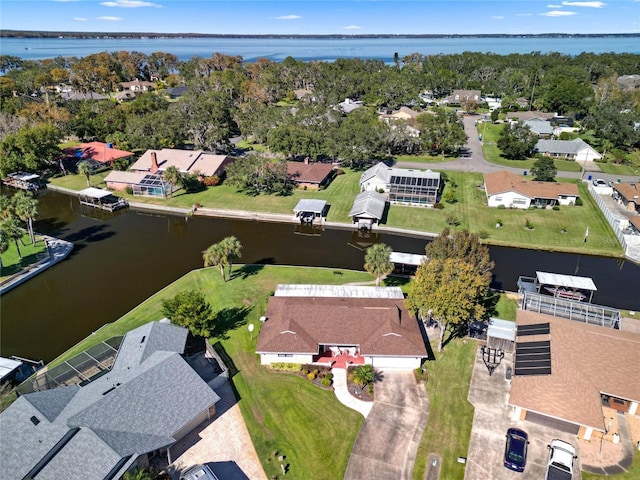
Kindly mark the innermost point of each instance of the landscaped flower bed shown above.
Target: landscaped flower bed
(318, 375)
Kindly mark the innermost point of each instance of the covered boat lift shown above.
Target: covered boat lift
(308, 211)
(407, 262)
(102, 199)
(24, 181)
(563, 286)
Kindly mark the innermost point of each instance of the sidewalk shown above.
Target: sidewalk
(343, 395)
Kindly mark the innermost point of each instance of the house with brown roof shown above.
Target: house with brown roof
(311, 176)
(512, 191)
(318, 323)
(198, 162)
(628, 194)
(137, 86)
(590, 367)
(97, 153)
(528, 115)
(634, 223)
(460, 96)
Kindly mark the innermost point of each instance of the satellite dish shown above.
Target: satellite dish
(250, 327)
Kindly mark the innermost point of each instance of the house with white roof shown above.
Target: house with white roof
(402, 186)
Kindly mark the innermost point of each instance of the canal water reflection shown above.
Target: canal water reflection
(121, 259)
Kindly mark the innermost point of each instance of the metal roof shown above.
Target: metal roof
(308, 205)
(23, 176)
(499, 328)
(407, 258)
(569, 281)
(94, 192)
(369, 203)
(350, 291)
(7, 366)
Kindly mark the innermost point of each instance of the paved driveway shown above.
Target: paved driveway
(489, 396)
(387, 442)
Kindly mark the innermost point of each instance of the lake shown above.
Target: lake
(121, 259)
(307, 49)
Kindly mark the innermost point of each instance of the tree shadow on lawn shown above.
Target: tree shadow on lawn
(458, 330)
(227, 319)
(247, 271)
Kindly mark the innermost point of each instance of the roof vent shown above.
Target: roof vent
(144, 337)
(35, 420)
(109, 391)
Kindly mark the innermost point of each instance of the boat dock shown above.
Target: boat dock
(102, 199)
(29, 182)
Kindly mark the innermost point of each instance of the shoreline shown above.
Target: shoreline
(285, 218)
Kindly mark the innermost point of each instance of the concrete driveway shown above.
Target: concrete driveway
(489, 396)
(387, 443)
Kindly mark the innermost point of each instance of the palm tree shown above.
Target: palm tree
(363, 375)
(11, 231)
(377, 261)
(214, 257)
(173, 176)
(233, 250)
(4, 245)
(26, 208)
(84, 168)
(222, 254)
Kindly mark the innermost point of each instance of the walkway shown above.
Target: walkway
(387, 443)
(343, 395)
(57, 250)
(477, 163)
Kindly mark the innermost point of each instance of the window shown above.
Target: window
(498, 199)
(519, 201)
(285, 355)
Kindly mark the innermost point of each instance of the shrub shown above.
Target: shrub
(438, 206)
(129, 190)
(339, 172)
(579, 202)
(311, 376)
(564, 229)
(286, 367)
(452, 220)
(304, 371)
(556, 207)
(211, 181)
(450, 196)
(370, 389)
(499, 222)
(528, 225)
(326, 381)
(329, 375)
(453, 183)
(483, 234)
(316, 372)
(501, 207)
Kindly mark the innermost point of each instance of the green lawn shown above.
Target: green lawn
(507, 307)
(450, 414)
(11, 261)
(283, 412)
(492, 153)
(79, 182)
(470, 211)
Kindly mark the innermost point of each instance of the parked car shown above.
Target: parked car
(198, 472)
(598, 182)
(561, 458)
(515, 449)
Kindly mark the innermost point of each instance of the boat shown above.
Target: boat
(564, 293)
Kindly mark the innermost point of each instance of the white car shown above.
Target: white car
(598, 182)
(561, 458)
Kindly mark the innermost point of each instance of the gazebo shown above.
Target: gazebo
(308, 211)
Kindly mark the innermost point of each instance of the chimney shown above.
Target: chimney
(154, 162)
(306, 160)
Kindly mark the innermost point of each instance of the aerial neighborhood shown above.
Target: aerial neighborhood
(415, 364)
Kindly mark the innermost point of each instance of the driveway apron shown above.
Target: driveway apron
(386, 444)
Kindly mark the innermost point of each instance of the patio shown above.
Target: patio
(339, 360)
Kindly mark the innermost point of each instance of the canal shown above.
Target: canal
(121, 259)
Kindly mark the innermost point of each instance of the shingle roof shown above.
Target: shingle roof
(585, 360)
(540, 127)
(386, 173)
(503, 181)
(522, 116)
(184, 160)
(562, 146)
(301, 172)
(133, 409)
(379, 326)
(119, 176)
(628, 190)
(369, 203)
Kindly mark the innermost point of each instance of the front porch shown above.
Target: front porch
(339, 359)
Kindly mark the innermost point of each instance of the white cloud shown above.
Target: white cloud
(558, 13)
(109, 19)
(80, 19)
(288, 17)
(523, 14)
(585, 4)
(498, 17)
(129, 4)
(352, 27)
(554, 6)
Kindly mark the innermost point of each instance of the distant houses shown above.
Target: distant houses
(402, 186)
(576, 149)
(98, 154)
(506, 189)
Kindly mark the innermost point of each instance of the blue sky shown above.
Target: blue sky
(323, 17)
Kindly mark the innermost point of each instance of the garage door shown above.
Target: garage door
(552, 423)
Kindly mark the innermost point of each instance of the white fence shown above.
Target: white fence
(630, 244)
